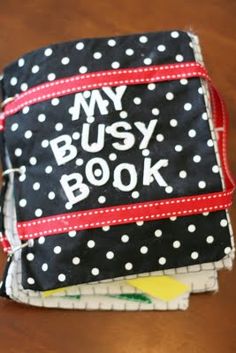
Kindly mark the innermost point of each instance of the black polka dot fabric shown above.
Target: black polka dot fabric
(135, 143)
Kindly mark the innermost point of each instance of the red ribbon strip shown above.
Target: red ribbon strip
(129, 213)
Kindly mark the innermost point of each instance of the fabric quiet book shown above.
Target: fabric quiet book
(116, 185)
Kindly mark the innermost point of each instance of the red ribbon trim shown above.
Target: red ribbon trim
(145, 211)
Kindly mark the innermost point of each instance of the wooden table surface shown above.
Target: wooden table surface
(209, 325)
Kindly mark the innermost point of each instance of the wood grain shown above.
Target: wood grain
(210, 323)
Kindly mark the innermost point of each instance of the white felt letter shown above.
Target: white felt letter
(63, 149)
(77, 191)
(95, 146)
(89, 108)
(90, 174)
(128, 138)
(152, 171)
(115, 96)
(146, 131)
(130, 168)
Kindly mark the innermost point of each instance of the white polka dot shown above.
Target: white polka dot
(159, 137)
(227, 250)
(173, 218)
(192, 133)
(162, 260)
(173, 122)
(41, 240)
(28, 134)
(44, 267)
(169, 189)
(194, 255)
(13, 81)
(72, 233)
(151, 86)
(51, 195)
(129, 52)
(25, 110)
(210, 143)
(200, 90)
(58, 126)
(65, 60)
(191, 228)
(90, 119)
(76, 260)
(41, 118)
(30, 256)
(147, 61)
(38, 212)
(179, 58)
(182, 174)
(155, 111)
(57, 249)
(144, 250)
(18, 152)
(123, 114)
(187, 106)
(202, 184)
(197, 158)
(158, 233)
(210, 239)
(110, 255)
(36, 186)
(169, 96)
(30, 280)
(143, 39)
(183, 81)
(68, 206)
(137, 100)
(48, 52)
(76, 135)
(139, 223)
(161, 48)
(55, 101)
(106, 228)
(91, 244)
(97, 55)
(223, 223)
(112, 156)
(215, 169)
(83, 69)
(204, 116)
(125, 238)
(128, 266)
(115, 65)
(48, 169)
(86, 94)
(145, 152)
(79, 161)
(14, 127)
(95, 271)
(174, 34)
(21, 62)
(35, 69)
(97, 172)
(101, 199)
(111, 42)
(79, 46)
(176, 244)
(178, 148)
(61, 277)
(135, 194)
(51, 76)
(205, 213)
(24, 86)
(22, 202)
